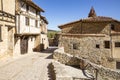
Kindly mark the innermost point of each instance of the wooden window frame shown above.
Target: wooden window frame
(117, 44)
(117, 65)
(75, 46)
(97, 45)
(27, 21)
(107, 44)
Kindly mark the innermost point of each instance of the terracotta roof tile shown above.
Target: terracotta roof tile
(98, 18)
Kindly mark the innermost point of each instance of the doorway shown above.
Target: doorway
(24, 45)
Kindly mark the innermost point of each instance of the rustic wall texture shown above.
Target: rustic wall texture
(85, 47)
(97, 71)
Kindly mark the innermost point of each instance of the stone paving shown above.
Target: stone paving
(32, 66)
(64, 72)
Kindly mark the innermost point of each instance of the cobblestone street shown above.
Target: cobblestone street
(32, 66)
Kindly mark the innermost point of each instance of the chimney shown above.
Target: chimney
(92, 13)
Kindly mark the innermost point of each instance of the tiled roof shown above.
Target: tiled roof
(69, 23)
(97, 18)
(44, 18)
(31, 3)
(92, 17)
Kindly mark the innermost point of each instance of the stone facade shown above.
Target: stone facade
(95, 38)
(98, 72)
(44, 39)
(65, 58)
(7, 27)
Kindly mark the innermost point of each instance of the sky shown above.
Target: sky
(59, 12)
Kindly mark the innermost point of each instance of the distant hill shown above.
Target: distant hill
(49, 30)
(51, 33)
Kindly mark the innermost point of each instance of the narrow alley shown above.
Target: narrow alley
(32, 66)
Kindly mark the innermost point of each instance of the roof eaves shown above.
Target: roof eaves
(61, 26)
(31, 3)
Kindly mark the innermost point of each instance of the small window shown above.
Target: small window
(117, 44)
(112, 27)
(117, 65)
(107, 44)
(27, 21)
(27, 8)
(75, 46)
(97, 46)
(0, 34)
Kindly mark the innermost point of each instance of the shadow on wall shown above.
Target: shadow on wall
(39, 48)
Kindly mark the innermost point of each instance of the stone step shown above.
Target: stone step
(63, 72)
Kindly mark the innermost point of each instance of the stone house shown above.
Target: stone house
(27, 35)
(7, 27)
(95, 38)
(43, 36)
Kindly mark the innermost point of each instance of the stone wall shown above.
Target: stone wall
(7, 19)
(65, 58)
(98, 71)
(7, 42)
(3, 43)
(89, 47)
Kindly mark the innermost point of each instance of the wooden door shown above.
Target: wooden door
(24, 45)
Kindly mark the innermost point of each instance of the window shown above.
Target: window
(75, 46)
(112, 27)
(117, 65)
(27, 21)
(107, 44)
(36, 23)
(117, 44)
(0, 34)
(97, 46)
(27, 8)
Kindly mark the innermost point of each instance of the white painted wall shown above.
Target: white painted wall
(31, 44)
(17, 51)
(23, 27)
(44, 40)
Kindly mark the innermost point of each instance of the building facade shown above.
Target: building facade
(95, 38)
(43, 36)
(27, 36)
(7, 27)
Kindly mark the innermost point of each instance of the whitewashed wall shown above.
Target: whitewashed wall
(21, 21)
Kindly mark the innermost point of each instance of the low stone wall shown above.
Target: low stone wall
(99, 72)
(67, 59)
